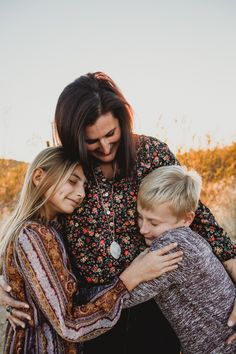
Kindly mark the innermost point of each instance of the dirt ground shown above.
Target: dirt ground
(2, 326)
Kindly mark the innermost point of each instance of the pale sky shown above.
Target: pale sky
(174, 60)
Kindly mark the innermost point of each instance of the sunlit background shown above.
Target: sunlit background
(174, 60)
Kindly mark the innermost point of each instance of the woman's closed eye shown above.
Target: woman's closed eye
(110, 133)
(91, 141)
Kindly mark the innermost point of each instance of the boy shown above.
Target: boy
(196, 298)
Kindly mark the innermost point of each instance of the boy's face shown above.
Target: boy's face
(154, 222)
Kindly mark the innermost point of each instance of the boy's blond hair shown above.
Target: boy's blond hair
(174, 184)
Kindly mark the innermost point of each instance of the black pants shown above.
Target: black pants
(141, 330)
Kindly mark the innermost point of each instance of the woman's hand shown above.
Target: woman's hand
(232, 323)
(15, 317)
(150, 265)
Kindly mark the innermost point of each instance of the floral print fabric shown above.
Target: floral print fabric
(89, 230)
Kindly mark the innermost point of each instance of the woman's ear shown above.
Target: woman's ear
(38, 175)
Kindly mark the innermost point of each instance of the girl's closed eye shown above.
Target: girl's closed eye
(72, 181)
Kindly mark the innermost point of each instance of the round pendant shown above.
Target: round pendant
(115, 249)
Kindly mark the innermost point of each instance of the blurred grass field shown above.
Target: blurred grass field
(216, 166)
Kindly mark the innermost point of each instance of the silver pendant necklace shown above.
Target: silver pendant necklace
(115, 249)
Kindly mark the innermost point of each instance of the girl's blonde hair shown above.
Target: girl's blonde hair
(58, 169)
(175, 184)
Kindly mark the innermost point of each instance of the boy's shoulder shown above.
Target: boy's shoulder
(186, 238)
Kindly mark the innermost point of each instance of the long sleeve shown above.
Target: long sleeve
(196, 298)
(42, 261)
(145, 291)
(158, 154)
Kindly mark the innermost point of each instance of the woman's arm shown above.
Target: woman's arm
(158, 154)
(205, 225)
(230, 266)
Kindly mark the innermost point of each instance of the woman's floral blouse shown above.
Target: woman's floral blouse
(37, 269)
(89, 230)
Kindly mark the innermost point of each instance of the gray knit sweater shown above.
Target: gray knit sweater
(197, 298)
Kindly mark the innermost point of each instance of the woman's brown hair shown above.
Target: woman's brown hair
(80, 104)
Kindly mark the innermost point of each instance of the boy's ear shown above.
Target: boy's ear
(38, 175)
(188, 218)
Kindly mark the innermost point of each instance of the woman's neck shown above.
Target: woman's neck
(108, 169)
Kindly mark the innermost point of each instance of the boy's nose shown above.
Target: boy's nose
(144, 229)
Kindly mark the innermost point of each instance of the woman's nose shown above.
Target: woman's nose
(105, 146)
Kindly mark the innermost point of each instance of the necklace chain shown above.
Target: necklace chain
(115, 248)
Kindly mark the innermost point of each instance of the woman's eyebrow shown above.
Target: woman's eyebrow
(94, 140)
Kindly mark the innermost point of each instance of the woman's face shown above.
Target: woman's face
(103, 138)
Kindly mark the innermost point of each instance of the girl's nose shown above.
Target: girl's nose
(81, 193)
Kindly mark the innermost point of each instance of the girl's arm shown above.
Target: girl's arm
(42, 261)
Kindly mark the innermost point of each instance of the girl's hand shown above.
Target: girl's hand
(150, 265)
(15, 317)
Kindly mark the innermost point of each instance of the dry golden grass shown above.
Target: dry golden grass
(216, 166)
(218, 169)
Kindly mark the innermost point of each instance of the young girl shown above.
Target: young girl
(36, 267)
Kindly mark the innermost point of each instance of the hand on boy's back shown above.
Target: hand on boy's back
(232, 324)
(16, 317)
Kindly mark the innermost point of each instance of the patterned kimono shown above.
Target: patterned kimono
(37, 268)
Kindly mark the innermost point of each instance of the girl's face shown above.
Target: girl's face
(103, 138)
(68, 196)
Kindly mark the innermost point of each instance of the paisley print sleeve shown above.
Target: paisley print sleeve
(42, 261)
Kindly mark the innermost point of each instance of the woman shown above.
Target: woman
(36, 266)
(94, 122)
